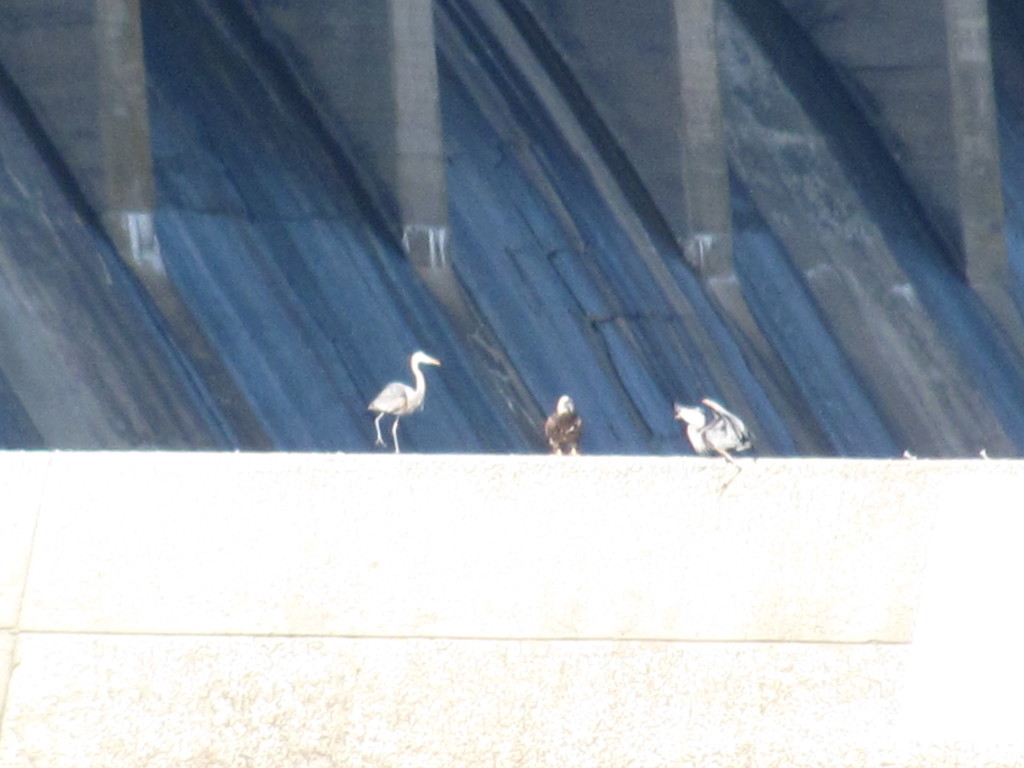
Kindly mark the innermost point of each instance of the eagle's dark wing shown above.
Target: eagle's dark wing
(563, 429)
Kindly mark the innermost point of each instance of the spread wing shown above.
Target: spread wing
(727, 430)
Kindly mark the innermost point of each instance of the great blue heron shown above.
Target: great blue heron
(400, 399)
(564, 427)
(724, 431)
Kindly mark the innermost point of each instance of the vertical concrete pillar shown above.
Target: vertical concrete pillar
(975, 147)
(650, 71)
(976, 152)
(707, 233)
(123, 117)
(371, 71)
(420, 176)
(79, 65)
(923, 68)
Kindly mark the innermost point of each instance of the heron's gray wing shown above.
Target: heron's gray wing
(392, 399)
(718, 408)
(728, 432)
(741, 435)
(743, 438)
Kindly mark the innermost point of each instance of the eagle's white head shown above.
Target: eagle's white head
(565, 406)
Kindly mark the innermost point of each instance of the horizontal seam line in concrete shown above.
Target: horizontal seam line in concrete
(466, 638)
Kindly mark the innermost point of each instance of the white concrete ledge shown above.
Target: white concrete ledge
(483, 546)
(448, 611)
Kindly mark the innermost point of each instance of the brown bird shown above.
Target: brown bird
(564, 427)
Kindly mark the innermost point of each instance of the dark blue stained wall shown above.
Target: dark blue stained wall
(641, 350)
(77, 335)
(780, 303)
(1006, 19)
(1007, 24)
(548, 262)
(267, 234)
(264, 231)
(979, 367)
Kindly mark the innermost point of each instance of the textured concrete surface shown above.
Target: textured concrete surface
(24, 475)
(656, 59)
(186, 701)
(923, 69)
(156, 701)
(263, 225)
(772, 140)
(6, 663)
(966, 674)
(79, 66)
(372, 610)
(371, 69)
(478, 546)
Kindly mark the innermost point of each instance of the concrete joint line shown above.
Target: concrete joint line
(15, 631)
(456, 638)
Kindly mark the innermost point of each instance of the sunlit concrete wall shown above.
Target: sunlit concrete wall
(78, 65)
(651, 73)
(370, 70)
(327, 610)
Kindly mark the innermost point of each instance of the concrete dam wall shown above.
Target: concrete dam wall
(189, 609)
(228, 223)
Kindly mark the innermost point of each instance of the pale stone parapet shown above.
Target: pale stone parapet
(196, 609)
(480, 546)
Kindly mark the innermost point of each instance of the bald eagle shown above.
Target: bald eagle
(564, 427)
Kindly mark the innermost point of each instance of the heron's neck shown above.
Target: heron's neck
(419, 379)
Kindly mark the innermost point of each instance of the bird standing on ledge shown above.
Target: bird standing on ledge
(400, 399)
(564, 427)
(723, 433)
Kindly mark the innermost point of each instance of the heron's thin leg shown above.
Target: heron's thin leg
(376, 424)
(725, 455)
(736, 473)
(394, 433)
